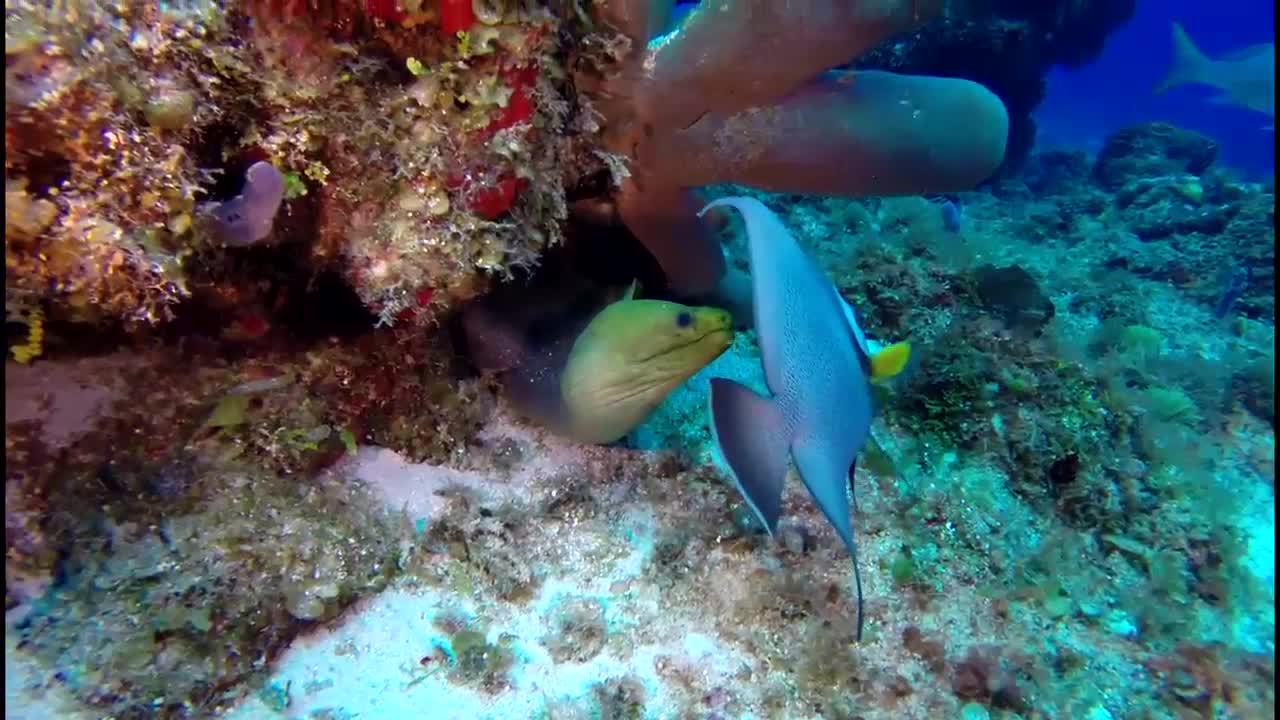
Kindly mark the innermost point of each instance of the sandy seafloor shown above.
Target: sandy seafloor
(681, 638)
(701, 622)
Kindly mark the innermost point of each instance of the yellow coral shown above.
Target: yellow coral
(35, 338)
(317, 171)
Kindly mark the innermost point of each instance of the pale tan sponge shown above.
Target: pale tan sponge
(850, 133)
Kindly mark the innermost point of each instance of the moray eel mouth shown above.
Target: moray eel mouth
(677, 357)
(719, 337)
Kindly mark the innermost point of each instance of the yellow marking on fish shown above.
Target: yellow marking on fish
(890, 361)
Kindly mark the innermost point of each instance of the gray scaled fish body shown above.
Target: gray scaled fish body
(819, 372)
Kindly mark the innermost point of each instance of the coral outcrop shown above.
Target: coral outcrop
(421, 151)
(1152, 150)
(1198, 227)
(425, 148)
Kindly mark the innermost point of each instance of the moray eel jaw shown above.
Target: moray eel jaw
(630, 358)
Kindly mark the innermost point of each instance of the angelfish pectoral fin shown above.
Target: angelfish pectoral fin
(748, 430)
(890, 361)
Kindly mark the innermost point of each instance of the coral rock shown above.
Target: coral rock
(1152, 150)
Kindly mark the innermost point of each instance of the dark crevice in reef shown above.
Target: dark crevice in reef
(613, 256)
(569, 285)
(289, 304)
(226, 170)
(326, 307)
(44, 172)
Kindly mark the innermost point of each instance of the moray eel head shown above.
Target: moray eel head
(630, 357)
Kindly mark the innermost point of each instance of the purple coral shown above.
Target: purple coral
(739, 93)
(246, 219)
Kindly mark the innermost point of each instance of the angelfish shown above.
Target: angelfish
(819, 367)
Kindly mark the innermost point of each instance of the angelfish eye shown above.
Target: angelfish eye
(684, 319)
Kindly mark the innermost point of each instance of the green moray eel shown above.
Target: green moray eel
(630, 358)
(596, 375)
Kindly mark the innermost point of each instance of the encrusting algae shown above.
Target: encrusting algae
(34, 344)
(421, 161)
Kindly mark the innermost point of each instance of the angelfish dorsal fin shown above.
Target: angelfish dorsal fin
(880, 362)
(859, 337)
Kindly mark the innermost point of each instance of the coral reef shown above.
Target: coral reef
(1152, 150)
(421, 153)
(99, 186)
(1197, 225)
(425, 151)
(252, 504)
(176, 501)
(158, 617)
(1071, 523)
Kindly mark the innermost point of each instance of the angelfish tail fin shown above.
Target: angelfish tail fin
(857, 587)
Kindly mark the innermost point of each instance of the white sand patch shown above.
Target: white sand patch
(67, 398)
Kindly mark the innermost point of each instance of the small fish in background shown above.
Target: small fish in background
(247, 218)
(251, 318)
(1245, 77)
(1237, 281)
(952, 216)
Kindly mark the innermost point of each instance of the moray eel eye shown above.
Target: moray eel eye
(684, 319)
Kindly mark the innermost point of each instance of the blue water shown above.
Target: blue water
(1084, 105)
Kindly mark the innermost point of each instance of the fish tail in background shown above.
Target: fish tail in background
(749, 431)
(1188, 62)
